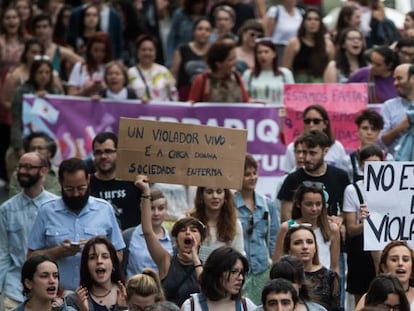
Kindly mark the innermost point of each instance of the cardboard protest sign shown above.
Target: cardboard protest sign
(181, 153)
(342, 101)
(390, 199)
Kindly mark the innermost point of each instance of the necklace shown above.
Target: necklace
(101, 296)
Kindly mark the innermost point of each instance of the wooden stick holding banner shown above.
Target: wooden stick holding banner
(390, 199)
(181, 153)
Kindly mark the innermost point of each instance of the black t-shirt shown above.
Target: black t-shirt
(124, 197)
(335, 181)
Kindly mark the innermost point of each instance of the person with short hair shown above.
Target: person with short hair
(42, 143)
(221, 283)
(64, 224)
(279, 295)
(121, 194)
(394, 111)
(17, 217)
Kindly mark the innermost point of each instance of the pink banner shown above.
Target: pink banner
(342, 101)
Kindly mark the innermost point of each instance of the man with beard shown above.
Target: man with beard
(394, 111)
(123, 195)
(315, 171)
(17, 216)
(42, 143)
(64, 224)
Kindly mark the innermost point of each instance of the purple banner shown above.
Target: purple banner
(74, 121)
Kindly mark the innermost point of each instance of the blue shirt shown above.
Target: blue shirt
(55, 223)
(17, 216)
(260, 244)
(139, 256)
(393, 112)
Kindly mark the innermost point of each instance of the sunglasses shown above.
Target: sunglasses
(312, 120)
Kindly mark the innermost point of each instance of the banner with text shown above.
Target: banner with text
(342, 101)
(193, 155)
(390, 199)
(74, 122)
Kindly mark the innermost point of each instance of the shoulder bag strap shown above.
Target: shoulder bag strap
(147, 90)
(358, 191)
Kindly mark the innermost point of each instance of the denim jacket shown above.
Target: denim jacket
(260, 244)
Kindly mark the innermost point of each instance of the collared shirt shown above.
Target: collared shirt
(139, 256)
(393, 112)
(55, 223)
(17, 216)
(260, 244)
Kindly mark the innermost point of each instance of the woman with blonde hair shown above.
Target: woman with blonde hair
(144, 289)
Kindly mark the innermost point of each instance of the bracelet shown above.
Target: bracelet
(196, 266)
(148, 197)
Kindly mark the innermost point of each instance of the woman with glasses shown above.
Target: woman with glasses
(386, 293)
(308, 54)
(221, 283)
(101, 279)
(260, 220)
(349, 56)
(179, 273)
(397, 259)
(309, 209)
(265, 80)
(315, 117)
(300, 241)
(40, 83)
(215, 208)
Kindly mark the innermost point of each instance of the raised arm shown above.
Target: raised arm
(160, 256)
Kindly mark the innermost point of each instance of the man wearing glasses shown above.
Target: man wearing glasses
(42, 143)
(64, 224)
(123, 195)
(17, 216)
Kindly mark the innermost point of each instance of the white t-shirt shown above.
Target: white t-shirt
(351, 201)
(80, 74)
(286, 26)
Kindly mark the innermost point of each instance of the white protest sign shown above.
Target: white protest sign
(389, 190)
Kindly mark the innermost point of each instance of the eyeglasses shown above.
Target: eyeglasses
(313, 120)
(79, 189)
(386, 306)
(236, 273)
(251, 225)
(35, 148)
(98, 153)
(313, 184)
(27, 166)
(42, 57)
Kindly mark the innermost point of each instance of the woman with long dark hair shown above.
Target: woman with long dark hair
(308, 54)
(221, 283)
(266, 79)
(101, 279)
(349, 56)
(86, 77)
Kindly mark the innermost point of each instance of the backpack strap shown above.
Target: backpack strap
(358, 191)
(192, 303)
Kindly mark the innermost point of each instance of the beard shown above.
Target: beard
(314, 167)
(29, 181)
(75, 204)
